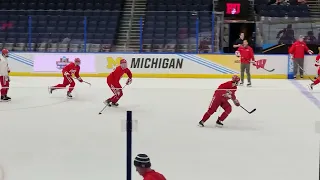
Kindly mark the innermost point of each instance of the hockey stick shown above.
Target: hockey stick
(271, 70)
(304, 71)
(250, 112)
(84, 82)
(87, 83)
(108, 104)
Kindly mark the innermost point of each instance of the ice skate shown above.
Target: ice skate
(115, 104)
(294, 77)
(4, 98)
(241, 84)
(107, 102)
(50, 89)
(249, 84)
(310, 86)
(301, 76)
(69, 96)
(200, 124)
(9, 98)
(219, 123)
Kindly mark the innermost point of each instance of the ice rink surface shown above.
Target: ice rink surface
(48, 137)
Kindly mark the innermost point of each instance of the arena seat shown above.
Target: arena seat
(177, 26)
(59, 21)
(283, 10)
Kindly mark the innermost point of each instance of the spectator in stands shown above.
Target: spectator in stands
(205, 44)
(310, 38)
(278, 2)
(238, 42)
(301, 1)
(287, 35)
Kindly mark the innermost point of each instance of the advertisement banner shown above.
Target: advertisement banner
(151, 63)
(231, 64)
(55, 62)
(154, 65)
(290, 68)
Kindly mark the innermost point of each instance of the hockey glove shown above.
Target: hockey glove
(80, 79)
(310, 52)
(236, 102)
(7, 79)
(129, 81)
(228, 94)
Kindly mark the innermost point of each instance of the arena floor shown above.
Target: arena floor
(48, 137)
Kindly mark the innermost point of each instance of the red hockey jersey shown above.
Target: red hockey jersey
(118, 73)
(226, 87)
(72, 68)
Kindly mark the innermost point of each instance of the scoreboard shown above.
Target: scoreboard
(238, 9)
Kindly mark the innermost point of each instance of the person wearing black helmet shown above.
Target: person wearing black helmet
(143, 167)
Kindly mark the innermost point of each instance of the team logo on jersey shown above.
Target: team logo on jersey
(63, 62)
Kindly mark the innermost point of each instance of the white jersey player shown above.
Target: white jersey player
(4, 75)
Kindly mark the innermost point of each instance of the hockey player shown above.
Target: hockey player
(72, 68)
(4, 75)
(114, 84)
(221, 96)
(317, 79)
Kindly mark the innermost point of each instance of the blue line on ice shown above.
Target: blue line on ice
(306, 93)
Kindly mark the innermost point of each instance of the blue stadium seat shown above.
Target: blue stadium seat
(51, 21)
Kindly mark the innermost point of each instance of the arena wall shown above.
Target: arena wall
(154, 65)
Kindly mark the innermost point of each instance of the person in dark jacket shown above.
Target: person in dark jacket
(238, 42)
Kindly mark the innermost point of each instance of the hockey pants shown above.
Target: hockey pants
(4, 81)
(214, 105)
(67, 80)
(116, 89)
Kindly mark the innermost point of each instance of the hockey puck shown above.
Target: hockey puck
(100, 113)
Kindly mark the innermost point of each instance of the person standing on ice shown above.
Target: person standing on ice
(143, 167)
(296, 52)
(246, 55)
(4, 75)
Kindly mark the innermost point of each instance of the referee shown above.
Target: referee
(143, 167)
(238, 42)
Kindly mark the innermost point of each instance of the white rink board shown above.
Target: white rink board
(309, 67)
(147, 65)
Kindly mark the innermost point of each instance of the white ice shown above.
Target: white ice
(47, 137)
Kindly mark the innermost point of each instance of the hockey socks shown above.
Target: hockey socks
(205, 117)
